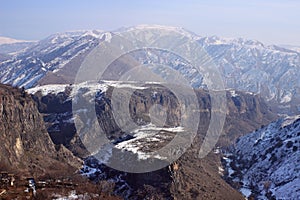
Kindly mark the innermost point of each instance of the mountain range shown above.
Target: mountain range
(245, 65)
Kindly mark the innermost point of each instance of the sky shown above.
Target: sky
(269, 21)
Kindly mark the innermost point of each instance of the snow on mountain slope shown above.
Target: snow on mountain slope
(246, 65)
(267, 162)
(291, 47)
(15, 48)
(48, 55)
(150, 27)
(250, 66)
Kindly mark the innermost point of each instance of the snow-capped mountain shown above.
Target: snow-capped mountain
(48, 55)
(6, 40)
(251, 66)
(245, 65)
(10, 45)
(266, 162)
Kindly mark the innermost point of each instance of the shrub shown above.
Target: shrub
(289, 144)
(273, 158)
(295, 148)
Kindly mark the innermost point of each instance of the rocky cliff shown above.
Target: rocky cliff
(26, 145)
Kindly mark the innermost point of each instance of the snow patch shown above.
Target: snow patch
(150, 133)
(246, 192)
(233, 93)
(48, 89)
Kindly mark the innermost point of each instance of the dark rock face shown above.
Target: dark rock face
(140, 105)
(21, 124)
(246, 113)
(26, 145)
(57, 113)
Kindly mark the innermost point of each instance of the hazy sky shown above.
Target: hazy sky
(270, 21)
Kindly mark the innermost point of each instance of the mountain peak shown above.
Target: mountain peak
(180, 30)
(76, 33)
(216, 40)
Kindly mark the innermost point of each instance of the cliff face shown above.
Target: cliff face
(22, 128)
(26, 145)
(246, 112)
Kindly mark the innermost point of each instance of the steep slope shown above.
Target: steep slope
(26, 146)
(266, 162)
